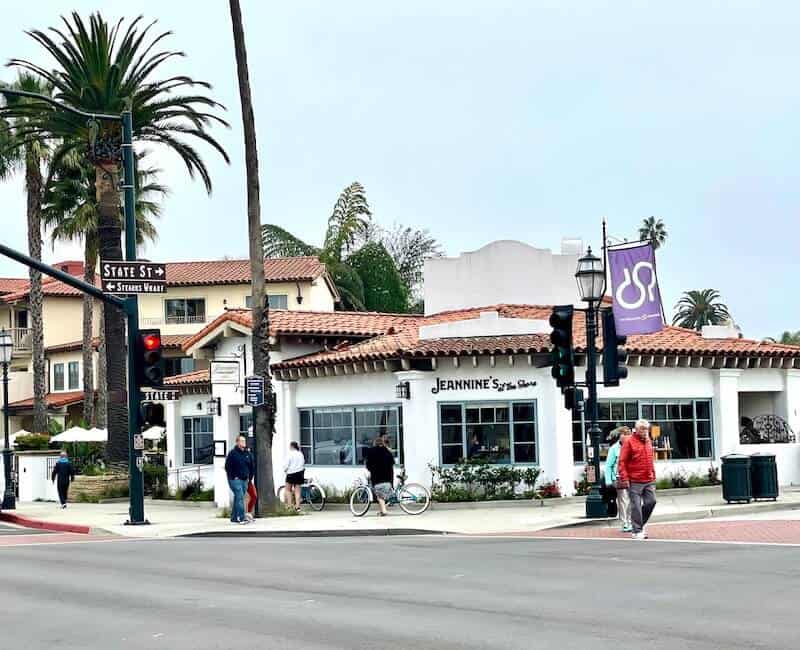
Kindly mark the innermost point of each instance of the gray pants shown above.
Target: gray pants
(643, 500)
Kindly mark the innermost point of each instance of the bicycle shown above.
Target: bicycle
(413, 498)
(311, 493)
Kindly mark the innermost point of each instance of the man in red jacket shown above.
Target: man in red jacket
(638, 472)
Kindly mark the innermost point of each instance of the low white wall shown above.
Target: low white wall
(34, 479)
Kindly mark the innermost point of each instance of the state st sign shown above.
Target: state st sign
(133, 277)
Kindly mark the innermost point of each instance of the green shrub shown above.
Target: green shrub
(155, 480)
(477, 479)
(549, 490)
(582, 487)
(193, 491)
(33, 442)
(332, 495)
(664, 484)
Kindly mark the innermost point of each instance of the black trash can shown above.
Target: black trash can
(736, 481)
(764, 476)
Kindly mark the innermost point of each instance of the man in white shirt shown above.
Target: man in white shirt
(294, 468)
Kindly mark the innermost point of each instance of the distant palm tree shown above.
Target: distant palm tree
(698, 308)
(653, 229)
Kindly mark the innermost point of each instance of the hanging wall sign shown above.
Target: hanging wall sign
(636, 298)
(225, 372)
(483, 383)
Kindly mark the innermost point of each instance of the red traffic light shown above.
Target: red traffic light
(151, 342)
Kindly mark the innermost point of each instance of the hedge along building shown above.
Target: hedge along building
(475, 382)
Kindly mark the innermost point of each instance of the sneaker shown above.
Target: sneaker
(63, 505)
(249, 516)
(627, 528)
(638, 536)
(644, 532)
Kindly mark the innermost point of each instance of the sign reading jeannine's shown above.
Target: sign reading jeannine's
(483, 383)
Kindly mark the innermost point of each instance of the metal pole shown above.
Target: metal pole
(594, 500)
(8, 493)
(135, 459)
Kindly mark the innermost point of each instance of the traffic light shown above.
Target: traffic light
(149, 360)
(614, 354)
(563, 355)
(152, 414)
(573, 399)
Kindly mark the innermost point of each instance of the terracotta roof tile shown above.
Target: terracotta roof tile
(168, 342)
(11, 285)
(53, 400)
(194, 377)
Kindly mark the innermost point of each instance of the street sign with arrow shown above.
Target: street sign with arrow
(133, 277)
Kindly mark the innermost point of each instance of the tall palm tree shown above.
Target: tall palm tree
(698, 308)
(71, 212)
(264, 415)
(29, 155)
(653, 229)
(105, 68)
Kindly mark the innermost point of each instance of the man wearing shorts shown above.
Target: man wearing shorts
(295, 469)
(380, 465)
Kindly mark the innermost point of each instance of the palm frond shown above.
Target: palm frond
(348, 222)
(278, 242)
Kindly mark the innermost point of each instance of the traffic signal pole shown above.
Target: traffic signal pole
(594, 500)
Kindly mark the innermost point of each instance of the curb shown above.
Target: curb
(44, 525)
(371, 532)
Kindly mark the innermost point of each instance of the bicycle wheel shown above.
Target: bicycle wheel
(413, 498)
(316, 497)
(360, 501)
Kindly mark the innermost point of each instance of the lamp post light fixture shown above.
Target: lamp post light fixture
(6, 347)
(591, 277)
(214, 406)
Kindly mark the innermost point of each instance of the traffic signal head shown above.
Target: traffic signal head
(149, 360)
(563, 356)
(614, 353)
(153, 414)
(573, 399)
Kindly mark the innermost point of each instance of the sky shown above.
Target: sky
(494, 119)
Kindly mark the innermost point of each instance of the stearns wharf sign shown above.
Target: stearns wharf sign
(483, 383)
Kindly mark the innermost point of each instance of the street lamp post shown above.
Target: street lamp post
(591, 277)
(6, 347)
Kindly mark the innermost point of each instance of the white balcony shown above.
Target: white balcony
(21, 340)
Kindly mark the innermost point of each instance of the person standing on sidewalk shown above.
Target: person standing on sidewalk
(295, 469)
(65, 473)
(380, 465)
(637, 473)
(240, 470)
(612, 478)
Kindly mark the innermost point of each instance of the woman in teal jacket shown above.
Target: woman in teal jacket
(611, 475)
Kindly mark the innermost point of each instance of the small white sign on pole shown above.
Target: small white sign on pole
(225, 372)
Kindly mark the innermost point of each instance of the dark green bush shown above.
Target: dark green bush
(33, 442)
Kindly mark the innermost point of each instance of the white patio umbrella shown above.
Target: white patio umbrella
(153, 433)
(79, 434)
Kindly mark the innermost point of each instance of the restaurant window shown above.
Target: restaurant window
(341, 435)
(276, 301)
(178, 366)
(198, 440)
(58, 376)
(681, 428)
(185, 310)
(72, 375)
(497, 432)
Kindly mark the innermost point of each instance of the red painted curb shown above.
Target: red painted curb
(44, 525)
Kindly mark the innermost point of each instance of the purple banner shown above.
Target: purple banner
(636, 298)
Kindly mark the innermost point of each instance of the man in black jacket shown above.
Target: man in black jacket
(65, 473)
(240, 469)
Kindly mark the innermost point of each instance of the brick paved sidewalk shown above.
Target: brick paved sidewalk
(743, 531)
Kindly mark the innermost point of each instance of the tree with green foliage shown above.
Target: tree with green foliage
(384, 289)
(698, 308)
(653, 230)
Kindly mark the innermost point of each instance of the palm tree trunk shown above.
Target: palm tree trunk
(34, 186)
(264, 416)
(89, 263)
(109, 232)
(100, 412)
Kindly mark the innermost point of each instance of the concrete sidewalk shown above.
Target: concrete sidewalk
(175, 518)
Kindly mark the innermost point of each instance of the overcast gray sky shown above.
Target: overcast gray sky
(482, 120)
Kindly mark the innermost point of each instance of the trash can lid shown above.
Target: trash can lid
(759, 455)
(736, 457)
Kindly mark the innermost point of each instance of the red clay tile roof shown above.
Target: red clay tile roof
(168, 342)
(315, 323)
(194, 377)
(405, 343)
(11, 285)
(53, 400)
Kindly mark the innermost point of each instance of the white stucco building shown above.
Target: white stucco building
(478, 382)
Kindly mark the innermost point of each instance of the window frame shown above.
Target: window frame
(184, 319)
(511, 422)
(248, 300)
(653, 401)
(56, 368)
(170, 361)
(352, 408)
(77, 366)
(193, 433)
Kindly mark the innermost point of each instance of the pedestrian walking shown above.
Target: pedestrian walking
(612, 478)
(63, 474)
(240, 470)
(637, 473)
(295, 469)
(380, 465)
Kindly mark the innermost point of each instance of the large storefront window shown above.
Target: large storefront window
(498, 432)
(198, 441)
(341, 435)
(681, 428)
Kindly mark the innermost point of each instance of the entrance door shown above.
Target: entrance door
(488, 432)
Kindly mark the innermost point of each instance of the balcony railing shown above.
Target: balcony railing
(21, 339)
(174, 320)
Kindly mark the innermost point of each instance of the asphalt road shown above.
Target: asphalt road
(397, 593)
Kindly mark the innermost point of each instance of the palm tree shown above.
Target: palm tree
(790, 338)
(698, 308)
(653, 230)
(264, 415)
(102, 68)
(29, 155)
(70, 211)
